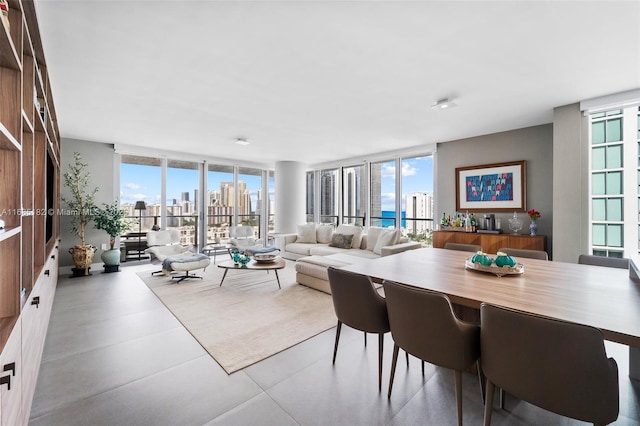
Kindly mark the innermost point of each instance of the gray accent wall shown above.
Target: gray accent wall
(100, 158)
(532, 144)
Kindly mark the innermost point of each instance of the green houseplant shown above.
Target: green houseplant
(81, 206)
(111, 219)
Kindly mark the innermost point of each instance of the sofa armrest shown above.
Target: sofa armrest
(281, 240)
(399, 248)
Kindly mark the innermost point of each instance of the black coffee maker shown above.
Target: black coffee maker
(490, 222)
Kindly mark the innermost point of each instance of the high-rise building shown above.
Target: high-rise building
(418, 205)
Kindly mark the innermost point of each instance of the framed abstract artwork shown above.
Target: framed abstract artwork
(499, 187)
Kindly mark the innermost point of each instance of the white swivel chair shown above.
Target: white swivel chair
(242, 238)
(164, 244)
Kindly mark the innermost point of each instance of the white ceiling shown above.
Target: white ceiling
(318, 81)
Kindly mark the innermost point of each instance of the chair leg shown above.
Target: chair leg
(503, 398)
(488, 403)
(396, 348)
(423, 367)
(335, 348)
(458, 377)
(380, 349)
(365, 339)
(481, 380)
(406, 354)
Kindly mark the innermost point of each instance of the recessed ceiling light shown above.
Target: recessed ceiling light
(443, 104)
(242, 141)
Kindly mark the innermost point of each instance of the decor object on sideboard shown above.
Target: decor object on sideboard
(81, 204)
(140, 205)
(534, 215)
(111, 219)
(515, 224)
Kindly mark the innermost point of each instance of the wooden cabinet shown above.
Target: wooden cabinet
(490, 243)
(29, 172)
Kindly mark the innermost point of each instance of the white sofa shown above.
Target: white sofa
(315, 253)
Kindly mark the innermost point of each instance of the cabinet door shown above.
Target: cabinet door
(11, 372)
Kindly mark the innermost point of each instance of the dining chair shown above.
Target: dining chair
(358, 305)
(423, 324)
(463, 247)
(535, 358)
(531, 254)
(611, 262)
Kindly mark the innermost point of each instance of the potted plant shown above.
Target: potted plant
(81, 205)
(111, 219)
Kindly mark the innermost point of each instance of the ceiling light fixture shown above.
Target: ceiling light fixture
(242, 141)
(443, 104)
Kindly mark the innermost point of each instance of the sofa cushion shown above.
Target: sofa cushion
(300, 248)
(323, 233)
(387, 237)
(354, 230)
(372, 237)
(307, 233)
(342, 241)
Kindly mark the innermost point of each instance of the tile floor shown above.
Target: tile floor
(114, 355)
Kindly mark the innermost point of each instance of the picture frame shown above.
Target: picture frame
(499, 187)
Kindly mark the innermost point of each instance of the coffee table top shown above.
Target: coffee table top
(253, 265)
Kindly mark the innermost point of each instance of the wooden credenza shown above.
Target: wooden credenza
(490, 243)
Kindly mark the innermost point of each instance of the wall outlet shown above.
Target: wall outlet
(104, 246)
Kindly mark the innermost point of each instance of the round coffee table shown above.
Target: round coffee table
(253, 266)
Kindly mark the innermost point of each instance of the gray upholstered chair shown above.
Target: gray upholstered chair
(423, 324)
(463, 247)
(611, 262)
(556, 365)
(360, 306)
(531, 254)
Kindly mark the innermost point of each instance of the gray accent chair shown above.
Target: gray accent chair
(443, 339)
(358, 305)
(463, 247)
(610, 262)
(557, 365)
(531, 254)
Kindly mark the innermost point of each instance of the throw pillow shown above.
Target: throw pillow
(372, 236)
(341, 241)
(354, 230)
(306, 233)
(386, 238)
(323, 233)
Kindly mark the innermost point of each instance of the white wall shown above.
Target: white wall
(100, 160)
(532, 144)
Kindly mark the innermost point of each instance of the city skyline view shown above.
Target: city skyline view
(142, 182)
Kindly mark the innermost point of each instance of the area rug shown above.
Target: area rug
(248, 319)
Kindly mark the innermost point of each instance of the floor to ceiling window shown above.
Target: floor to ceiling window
(311, 197)
(250, 198)
(353, 191)
(417, 198)
(615, 182)
(329, 196)
(220, 200)
(182, 199)
(140, 181)
(382, 204)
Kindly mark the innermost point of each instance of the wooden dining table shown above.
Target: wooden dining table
(605, 298)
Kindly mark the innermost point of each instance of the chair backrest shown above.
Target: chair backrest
(463, 247)
(356, 301)
(241, 232)
(424, 325)
(611, 262)
(557, 365)
(531, 254)
(163, 238)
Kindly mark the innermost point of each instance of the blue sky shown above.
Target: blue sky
(143, 182)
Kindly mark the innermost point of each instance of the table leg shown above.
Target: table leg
(634, 362)
(277, 278)
(223, 275)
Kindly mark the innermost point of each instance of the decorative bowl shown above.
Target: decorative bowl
(265, 257)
